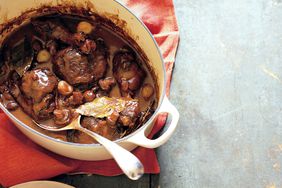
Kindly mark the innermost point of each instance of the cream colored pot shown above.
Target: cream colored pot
(119, 14)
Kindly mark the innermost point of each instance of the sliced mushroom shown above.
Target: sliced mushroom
(62, 116)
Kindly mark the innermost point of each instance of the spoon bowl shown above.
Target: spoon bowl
(129, 163)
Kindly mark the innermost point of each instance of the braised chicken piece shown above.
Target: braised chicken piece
(112, 119)
(38, 83)
(83, 61)
(95, 125)
(34, 92)
(129, 115)
(44, 109)
(127, 72)
(37, 87)
(73, 67)
(77, 68)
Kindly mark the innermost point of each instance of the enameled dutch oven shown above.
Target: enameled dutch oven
(134, 27)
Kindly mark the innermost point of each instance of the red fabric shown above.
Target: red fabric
(21, 160)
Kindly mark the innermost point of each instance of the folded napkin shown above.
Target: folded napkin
(22, 160)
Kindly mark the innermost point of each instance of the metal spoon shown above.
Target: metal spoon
(129, 163)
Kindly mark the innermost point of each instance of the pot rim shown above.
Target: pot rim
(118, 140)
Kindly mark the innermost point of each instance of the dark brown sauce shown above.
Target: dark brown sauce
(114, 42)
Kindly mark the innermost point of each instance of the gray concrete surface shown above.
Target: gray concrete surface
(227, 84)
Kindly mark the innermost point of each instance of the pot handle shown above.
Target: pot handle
(141, 140)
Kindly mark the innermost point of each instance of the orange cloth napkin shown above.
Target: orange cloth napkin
(22, 160)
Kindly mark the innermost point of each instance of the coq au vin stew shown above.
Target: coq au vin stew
(58, 66)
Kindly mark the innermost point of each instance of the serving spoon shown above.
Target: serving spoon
(129, 163)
